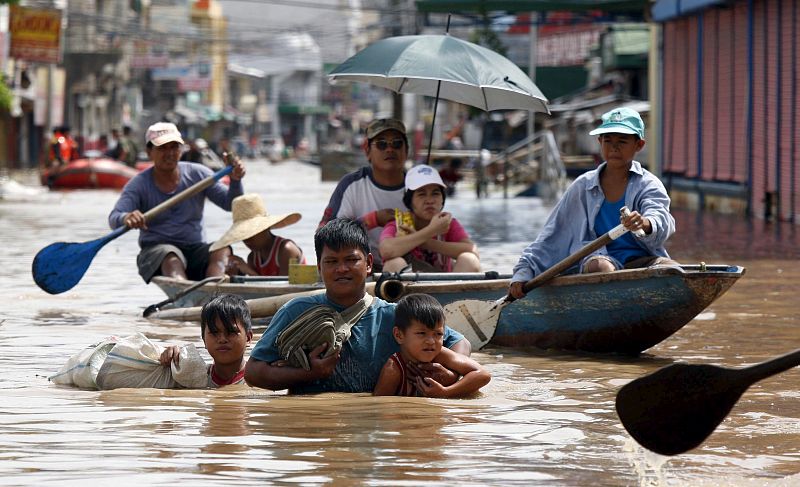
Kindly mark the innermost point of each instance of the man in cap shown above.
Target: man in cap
(371, 193)
(173, 243)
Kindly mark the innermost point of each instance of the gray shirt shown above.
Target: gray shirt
(570, 225)
(183, 223)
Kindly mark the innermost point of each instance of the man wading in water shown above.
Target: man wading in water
(351, 364)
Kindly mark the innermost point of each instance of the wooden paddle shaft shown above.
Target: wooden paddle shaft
(187, 193)
(183, 292)
(259, 307)
(565, 264)
(771, 367)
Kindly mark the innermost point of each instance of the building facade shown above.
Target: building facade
(729, 105)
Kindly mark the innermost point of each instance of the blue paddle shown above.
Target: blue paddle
(60, 266)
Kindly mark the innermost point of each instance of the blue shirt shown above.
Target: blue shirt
(370, 344)
(183, 223)
(571, 224)
(625, 247)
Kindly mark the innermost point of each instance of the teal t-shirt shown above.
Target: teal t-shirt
(363, 355)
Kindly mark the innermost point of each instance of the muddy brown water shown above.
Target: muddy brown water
(547, 418)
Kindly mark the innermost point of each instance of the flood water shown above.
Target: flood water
(546, 418)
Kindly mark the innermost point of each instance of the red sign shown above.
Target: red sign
(35, 34)
(569, 48)
(191, 83)
(149, 55)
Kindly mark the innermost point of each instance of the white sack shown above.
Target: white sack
(81, 369)
(132, 362)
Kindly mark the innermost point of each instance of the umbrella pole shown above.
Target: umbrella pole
(433, 122)
(436, 102)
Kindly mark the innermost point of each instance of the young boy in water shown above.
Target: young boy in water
(226, 329)
(419, 330)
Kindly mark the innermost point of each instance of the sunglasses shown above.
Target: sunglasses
(383, 144)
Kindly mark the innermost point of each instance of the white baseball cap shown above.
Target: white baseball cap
(162, 132)
(422, 175)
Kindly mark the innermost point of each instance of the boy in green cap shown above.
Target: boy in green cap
(591, 206)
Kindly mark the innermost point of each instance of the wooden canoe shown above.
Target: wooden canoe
(620, 312)
(264, 287)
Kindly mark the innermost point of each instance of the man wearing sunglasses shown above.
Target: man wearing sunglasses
(371, 193)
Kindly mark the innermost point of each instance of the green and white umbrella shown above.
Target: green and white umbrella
(443, 67)
(446, 67)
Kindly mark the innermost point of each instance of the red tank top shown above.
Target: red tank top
(405, 388)
(270, 265)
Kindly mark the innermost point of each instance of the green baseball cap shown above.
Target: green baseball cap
(621, 121)
(376, 127)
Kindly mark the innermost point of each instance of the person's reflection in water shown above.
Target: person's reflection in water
(225, 426)
(350, 437)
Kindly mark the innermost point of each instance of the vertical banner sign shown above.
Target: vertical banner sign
(35, 34)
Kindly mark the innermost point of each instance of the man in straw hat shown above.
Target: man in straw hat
(371, 193)
(172, 244)
(269, 254)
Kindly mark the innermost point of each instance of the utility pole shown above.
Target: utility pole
(532, 41)
(397, 30)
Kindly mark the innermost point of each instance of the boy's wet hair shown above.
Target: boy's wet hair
(408, 195)
(421, 307)
(230, 309)
(341, 233)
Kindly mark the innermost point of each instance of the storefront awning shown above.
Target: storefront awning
(626, 48)
(664, 10)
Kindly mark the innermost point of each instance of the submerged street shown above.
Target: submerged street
(547, 418)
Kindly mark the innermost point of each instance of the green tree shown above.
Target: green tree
(487, 37)
(6, 96)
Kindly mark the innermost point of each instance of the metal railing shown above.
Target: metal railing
(537, 154)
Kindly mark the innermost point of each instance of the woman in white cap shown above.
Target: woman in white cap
(436, 242)
(269, 254)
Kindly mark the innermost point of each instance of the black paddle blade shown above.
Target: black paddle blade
(677, 407)
(60, 266)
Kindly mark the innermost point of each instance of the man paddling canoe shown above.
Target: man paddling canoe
(173, 244)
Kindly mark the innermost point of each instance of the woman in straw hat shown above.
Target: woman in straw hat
(269, 254)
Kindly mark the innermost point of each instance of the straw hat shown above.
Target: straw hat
(249, 218)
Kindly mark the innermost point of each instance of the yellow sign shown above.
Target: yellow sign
(35, 34)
